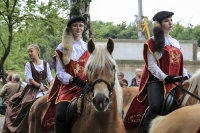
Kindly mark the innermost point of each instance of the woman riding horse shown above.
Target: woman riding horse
(163, 62)
(36, 72)
(71, 57)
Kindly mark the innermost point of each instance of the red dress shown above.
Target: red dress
(74, 68)
(171, 63)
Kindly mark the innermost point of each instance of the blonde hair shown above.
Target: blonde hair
(36, 47)
(157, 24)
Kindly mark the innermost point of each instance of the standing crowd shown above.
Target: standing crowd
(134, 82)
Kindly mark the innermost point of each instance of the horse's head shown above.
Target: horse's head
(101, 69)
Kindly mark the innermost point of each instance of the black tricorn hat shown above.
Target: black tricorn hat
(76, 19)
(161, 15)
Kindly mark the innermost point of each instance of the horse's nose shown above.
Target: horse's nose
(100, 102)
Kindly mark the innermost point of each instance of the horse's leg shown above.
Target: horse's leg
(36, 115)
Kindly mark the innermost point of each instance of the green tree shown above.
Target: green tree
(196, 34)
(81, 8)
(23, 18)
(128, 32)
(177, 31)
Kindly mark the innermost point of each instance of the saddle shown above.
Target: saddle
(168, 103)
(75, 108)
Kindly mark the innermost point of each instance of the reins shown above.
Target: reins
(183, 89)
(178, 86)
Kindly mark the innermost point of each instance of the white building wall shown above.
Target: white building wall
(125, 49)
(133, 49)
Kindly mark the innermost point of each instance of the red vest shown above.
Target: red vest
(74, 68)
(171, 63)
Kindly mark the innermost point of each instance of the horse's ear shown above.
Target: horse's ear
(91, 46)
(110, 45)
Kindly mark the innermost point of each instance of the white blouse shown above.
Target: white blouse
(28, 73)
(152, 63)
(79, 48)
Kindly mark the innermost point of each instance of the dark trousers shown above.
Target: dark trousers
(61, 111)
(155, 91)
(60, 122)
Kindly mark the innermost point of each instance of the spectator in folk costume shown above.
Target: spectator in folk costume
(163, 62)
(70, 57)
(37, 72)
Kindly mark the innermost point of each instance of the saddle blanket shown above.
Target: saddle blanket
(135, 113)
(49, 117)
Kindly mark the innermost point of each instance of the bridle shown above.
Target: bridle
(184, 90)
(110, 86)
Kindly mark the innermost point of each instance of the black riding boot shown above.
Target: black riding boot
(149, 116)
(60, 127)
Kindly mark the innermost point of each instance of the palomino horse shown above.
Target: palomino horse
(185, 119)
(102, 108)
(182, 120)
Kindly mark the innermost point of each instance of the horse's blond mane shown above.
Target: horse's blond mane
(98, 61)
(194, 84)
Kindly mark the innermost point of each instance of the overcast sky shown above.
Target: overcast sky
(186, 11)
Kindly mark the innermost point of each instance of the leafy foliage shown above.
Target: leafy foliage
(24, 22)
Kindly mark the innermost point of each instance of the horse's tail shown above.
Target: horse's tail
(154, 123)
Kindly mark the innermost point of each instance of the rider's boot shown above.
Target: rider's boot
(148, 117)
(60, 127)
